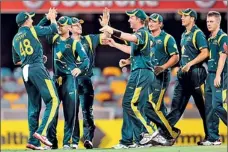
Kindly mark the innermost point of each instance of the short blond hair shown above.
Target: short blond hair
(215, 14)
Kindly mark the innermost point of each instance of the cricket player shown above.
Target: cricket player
(141, 76)
(191, 75)
(65, 53)
(85, 87)
(140, 81)
(216, 82)
(166, 55)
(28, 52)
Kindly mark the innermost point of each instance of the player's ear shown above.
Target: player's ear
(192, 19)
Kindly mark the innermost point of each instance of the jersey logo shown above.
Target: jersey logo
(68, 46)
(215, 42)
(159, 41)
(188, 38)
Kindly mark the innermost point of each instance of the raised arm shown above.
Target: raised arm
(120, 34)
(48, 30)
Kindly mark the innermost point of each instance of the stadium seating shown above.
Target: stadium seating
(118, 87)
(111, 71)
(109, 87)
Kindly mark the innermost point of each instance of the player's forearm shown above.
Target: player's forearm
(123, 48)
(172, 61)
(221, 63)
(128, 37)
(201, 57)
(125, 36)
(43, 21)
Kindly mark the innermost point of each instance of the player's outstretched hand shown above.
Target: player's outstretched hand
(75, 72)
(110, 42)
(52, 14)
(104, 19)
(107, 28)
(124, 62)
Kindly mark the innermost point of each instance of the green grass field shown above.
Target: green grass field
(222, 148)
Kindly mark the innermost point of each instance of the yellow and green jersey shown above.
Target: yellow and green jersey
(191, 44)
(65, 54)
(90, 43)
(26, 45)
(164, 46)
(141, 51)
(216, 48)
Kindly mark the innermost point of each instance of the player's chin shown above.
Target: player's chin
(131, 26)
(209, 29)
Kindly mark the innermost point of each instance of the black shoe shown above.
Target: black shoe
(88, 144)
(172, 141)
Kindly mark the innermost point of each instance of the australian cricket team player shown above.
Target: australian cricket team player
(216, 82)
(28, 52)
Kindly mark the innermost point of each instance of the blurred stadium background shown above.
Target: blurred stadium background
(109, 80)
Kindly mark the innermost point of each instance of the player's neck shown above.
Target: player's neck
(65, 36)
(214, 33)
(139, 27)
(189, 27)
(76, 37)
(156, 33)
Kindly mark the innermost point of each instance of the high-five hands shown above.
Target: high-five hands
(104, 19)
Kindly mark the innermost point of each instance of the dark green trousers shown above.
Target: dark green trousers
(86, 96)
(134, 100)
(188, 84)
(155, 109)
(215, 97)
(67, 90)
(40, 85)
(160, 85)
